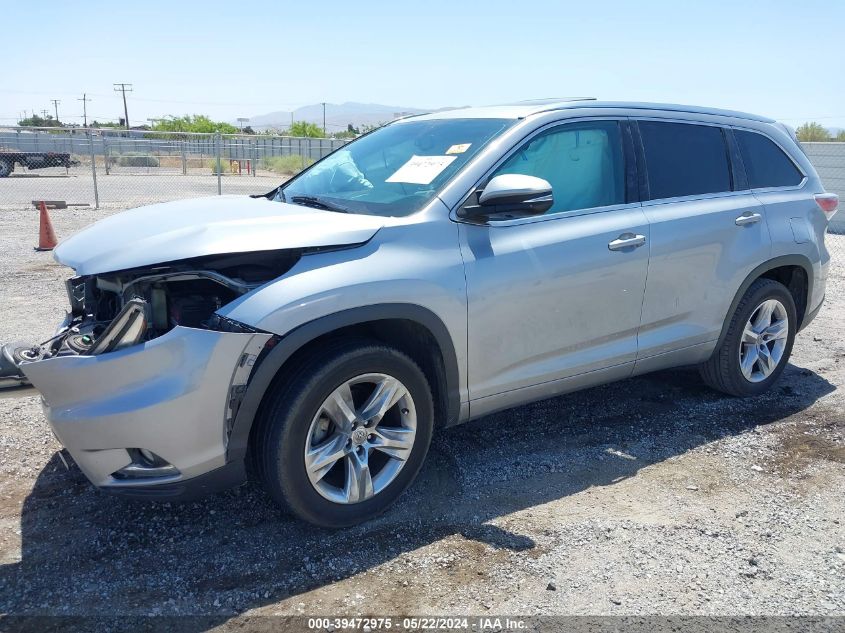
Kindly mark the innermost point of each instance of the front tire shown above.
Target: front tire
(341, 440)
(758, 342)
(6, 167)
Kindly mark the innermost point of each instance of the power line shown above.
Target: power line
(122, 89)
(56, 103)
(84, 101)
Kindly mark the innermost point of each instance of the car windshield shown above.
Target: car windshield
(395, 170)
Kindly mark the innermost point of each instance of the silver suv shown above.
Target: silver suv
(439, 269)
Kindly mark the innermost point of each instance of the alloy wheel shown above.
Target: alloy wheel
(763, 340)
(360, 438)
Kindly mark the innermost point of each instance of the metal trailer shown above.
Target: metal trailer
(33, 160)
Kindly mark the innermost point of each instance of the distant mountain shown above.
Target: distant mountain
(338, 115)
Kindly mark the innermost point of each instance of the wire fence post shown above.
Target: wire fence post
(94, 170)
(184, 159)
(106, 157)
(218, 141)
(254, 158)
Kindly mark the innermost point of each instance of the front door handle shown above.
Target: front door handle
(748, 218)
(626, 240)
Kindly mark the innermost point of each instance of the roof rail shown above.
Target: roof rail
(665, 107)
(548, 100)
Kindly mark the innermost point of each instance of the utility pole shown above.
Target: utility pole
(324, 118)
(45, 113)
(56, 103)
(123, 89)
(84, 101)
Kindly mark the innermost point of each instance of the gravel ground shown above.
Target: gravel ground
(650, 496)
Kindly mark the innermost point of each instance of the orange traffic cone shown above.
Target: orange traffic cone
(46, 237)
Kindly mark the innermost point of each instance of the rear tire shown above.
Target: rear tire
(6, 167)
(756, 348)
(345, 435)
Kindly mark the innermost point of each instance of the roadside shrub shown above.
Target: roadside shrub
(292, 164)
(225, 166)
(137, 159)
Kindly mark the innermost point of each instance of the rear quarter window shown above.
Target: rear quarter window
(684, 159)
(766, 164)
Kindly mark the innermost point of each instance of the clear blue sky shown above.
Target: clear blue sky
(230, 59)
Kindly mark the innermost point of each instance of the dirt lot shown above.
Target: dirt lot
(125, 187)
(651, 496)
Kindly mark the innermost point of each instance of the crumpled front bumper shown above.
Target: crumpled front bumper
(172, 396)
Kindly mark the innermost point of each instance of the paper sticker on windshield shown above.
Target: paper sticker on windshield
(421, 170)
(458, 149)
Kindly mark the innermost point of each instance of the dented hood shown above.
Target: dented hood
(207, 226)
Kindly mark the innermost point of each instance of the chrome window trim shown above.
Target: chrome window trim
(694, 197)
(560, 215)
(660, 119)
(453, 212)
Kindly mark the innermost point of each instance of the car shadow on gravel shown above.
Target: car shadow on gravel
(87, 553)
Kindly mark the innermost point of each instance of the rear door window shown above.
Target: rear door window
(684, 159)
(766, 164)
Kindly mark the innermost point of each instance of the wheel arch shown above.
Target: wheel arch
(777, 269)
(390, 318)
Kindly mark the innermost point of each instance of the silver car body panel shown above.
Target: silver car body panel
(169, 396)
(207, 226)
(699, 258)
(534, 307)
(795, 224)
(426, 271)
(548, 300)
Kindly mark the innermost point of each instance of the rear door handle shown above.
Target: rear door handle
(748, 218)
(626, 240)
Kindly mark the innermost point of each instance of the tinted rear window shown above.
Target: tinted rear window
(684, 159)
(765, 163)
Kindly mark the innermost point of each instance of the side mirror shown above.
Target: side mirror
(513, 194)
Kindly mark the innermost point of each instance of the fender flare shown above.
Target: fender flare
(294, 340)
(777, 262)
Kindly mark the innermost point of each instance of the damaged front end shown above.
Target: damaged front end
(112, 311)
(142, 382)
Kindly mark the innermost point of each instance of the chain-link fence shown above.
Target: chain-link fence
(114, 168)
(122, 169)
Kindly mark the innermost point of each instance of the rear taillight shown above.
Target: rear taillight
(828, 202)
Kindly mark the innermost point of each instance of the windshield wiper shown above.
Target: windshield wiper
(318, 203)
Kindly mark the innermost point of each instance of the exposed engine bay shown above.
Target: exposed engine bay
(115, 310)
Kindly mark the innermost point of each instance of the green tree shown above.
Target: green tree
(303, 128)
(369, 128)
(841, 136)
(812, 132)
(107, 124)
(37, 121)
(193, 123)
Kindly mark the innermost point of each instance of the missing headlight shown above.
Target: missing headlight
(113, 310)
